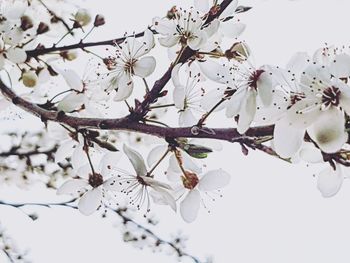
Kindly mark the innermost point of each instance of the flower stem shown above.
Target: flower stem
(159, 161)
(205, 116)
(146, 85)
(162, 106)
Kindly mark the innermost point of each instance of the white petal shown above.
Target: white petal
(112, 184)
(264, 87)
(287, 139)
(214, 180)
(164, 26)
(329, 131)
(298, 63)
(340, 66)
(175, 75)
(188, 163)
(90, 201)
(144, 67)
(125, 87)
(179, 97)
(197, 42)
(109, 163)
(212, 28)
(136, 160)
(155, 183)
(311, 154)
(73, 186)
(72, 101)
(235, 102)
(169, 41)
(211, 98)
(72, 79)
(16, 55)
(163, 197)
(232, 29)
(329, 181)
(186, 118)
(65, 150)
(247, 112)
(189, 207)
(2, 61)
(215, 71)
(79, 158)
(155, 154)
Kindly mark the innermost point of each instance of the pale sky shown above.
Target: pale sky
(271, 211)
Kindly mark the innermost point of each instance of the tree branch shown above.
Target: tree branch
(129, 124)
(121, 213)
(81, 45)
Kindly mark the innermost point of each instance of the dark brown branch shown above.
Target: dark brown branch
(128, 124)
(81, 45)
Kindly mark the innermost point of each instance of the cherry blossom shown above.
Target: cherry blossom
(187, 96)
(319, 110)
(94, 183)
(193, 188)
(185, 28)
(129, 61)
(137, 185)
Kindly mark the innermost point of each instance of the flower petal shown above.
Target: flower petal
(136, 160)
(72, 101)
(163, 197)
(125, 87)
(155, 154)
(90, 201)
(264, 87)
(186, 118)
(235, 102)
(179, 97)
(329, 181)
(247, 112)
(65, 150)
(329, 130)
(112, 184)
(72, 79)
(73, 186)
(189, 207)
(16, 55)
(340, 66)
(214, 180)
(109, 163)
(215, 71)
(287, 139)
(144, 67)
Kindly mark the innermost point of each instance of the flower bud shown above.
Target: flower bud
(42, 28)
(82, 17)
(69, 55)
(239, 51)
(172, 13)
(29, 79)
(99, 20)
(26, 23)
(196, 151)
